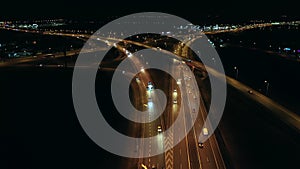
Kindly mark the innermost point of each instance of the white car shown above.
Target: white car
(205, 131)
(159, 128)
(150, 86)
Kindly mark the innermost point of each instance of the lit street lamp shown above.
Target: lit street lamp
(267, 86)
(236, 72)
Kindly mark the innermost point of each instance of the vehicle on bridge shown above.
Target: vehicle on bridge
(159, 128)
(200, 144)
(175, 101)
(205, 131)
(150, 86)
(49, 56)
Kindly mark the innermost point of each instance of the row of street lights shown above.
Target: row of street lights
(267, 84)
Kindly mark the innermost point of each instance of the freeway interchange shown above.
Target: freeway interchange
(187, 153)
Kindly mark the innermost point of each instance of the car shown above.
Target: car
(250, 91)
(150, 86)
(200, 145)
(205, 131)
(137, 79)
(175, 93)
(174, 101)
(159, 128)
(49, 56)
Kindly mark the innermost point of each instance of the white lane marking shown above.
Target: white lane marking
(213, 154)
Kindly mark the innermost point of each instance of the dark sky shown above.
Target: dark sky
(189, 9)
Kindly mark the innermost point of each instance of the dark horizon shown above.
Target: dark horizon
(215, 11)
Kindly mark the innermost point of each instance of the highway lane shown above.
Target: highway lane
(142, 102)
(179, 158)
(191, 104)
(187, 154)
(210, 153)
(209, 156)
(170, 158)
(134, 130)
(32, 59)
(180, 153)
(285, 115)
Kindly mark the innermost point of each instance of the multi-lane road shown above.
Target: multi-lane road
(186, 154)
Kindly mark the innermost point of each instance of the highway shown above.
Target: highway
(285, 115)
(282, 113)
(186, 154)
(16, 61)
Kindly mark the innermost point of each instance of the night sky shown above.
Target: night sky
(215, 10)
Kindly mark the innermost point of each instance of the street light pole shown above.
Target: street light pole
(267, 87)
(236, 73)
